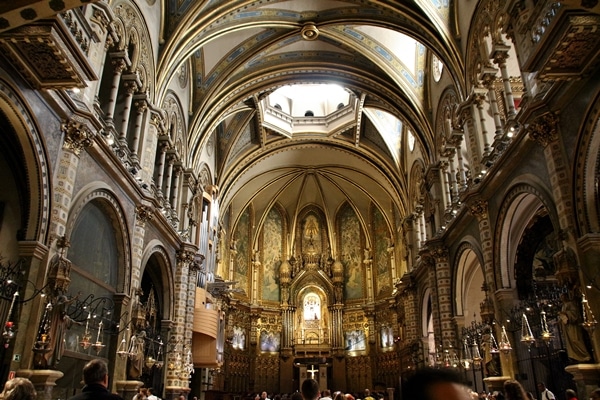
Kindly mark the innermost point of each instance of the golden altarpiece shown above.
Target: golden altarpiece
(311, 315)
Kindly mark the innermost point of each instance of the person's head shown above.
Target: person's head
(530, 396)
(263, 395)
(95, 371)
(339, 396)
(570, 394)
(367, 392)
(310, 389)
(296, 396)
(595, 394)
(326, 393)
(541, 386)
(18, 389)
(514, 391)
(435, 384)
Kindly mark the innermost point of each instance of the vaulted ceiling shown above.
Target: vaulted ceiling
(251, 65)
(242, 53)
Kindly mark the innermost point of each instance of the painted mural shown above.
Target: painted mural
(355, 340)
(351, 254)
(269, 341)
(311, 234)
(272, 245)
(241, 262)
(238, 341)
(383, 280)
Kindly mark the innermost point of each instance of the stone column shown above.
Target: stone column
(141, 105)
(131, 86)
(499, 55)
(119, 65)
(160, 168)
(168, 177)
(479, 209)
(77, 137)
(143, 214)
(443, 277)
(174, 384)
(473, 139)
(488, 78)
(479, 99)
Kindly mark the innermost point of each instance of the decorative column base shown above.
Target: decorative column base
(586, 377)
(173, 392)
(43, 380)
(496, 383)
(128, 389)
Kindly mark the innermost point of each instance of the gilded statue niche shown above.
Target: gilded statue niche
(312, 317)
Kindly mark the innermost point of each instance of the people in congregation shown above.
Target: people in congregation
(326, 395)
(545, 394)
(435, 384)
(18, 389)
(570, 394)
(513, 390)
(310, 389)
(95, 377)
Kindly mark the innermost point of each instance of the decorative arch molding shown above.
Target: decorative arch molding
(445, 112)
(25, 125)
(467, 259)
(518, 207)
(417, 177)
(130, 27)
(164, 275)
(484, 26)
(308, 281)
(587, 173)
(99, 192)
(175, 118)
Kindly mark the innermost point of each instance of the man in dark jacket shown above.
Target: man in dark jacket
(95, 377)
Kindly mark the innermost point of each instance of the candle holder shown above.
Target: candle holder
(98, 345)
(526, 333)
(9, 326)
(546, 334)
(589, 321)
(505, 346)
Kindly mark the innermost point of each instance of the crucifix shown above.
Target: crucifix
(312, 371)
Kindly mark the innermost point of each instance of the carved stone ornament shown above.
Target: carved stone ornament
(77, 136)
(144, 213)
(479, 209)
(48, 55)
(440, 254)
(544, 129)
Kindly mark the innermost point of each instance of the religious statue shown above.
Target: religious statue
(570, 319)
(136, 364)
(60, 322)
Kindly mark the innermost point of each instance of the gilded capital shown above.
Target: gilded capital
(479, 209)
(544, 129)
(144, 213)
(440, 254)
(77, 136)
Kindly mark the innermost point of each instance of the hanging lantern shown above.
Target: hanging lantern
(505, 346)
(546, 334)
(9, 326)
(589, 321)
(526, 333)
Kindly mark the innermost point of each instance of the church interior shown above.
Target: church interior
(225, 197)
